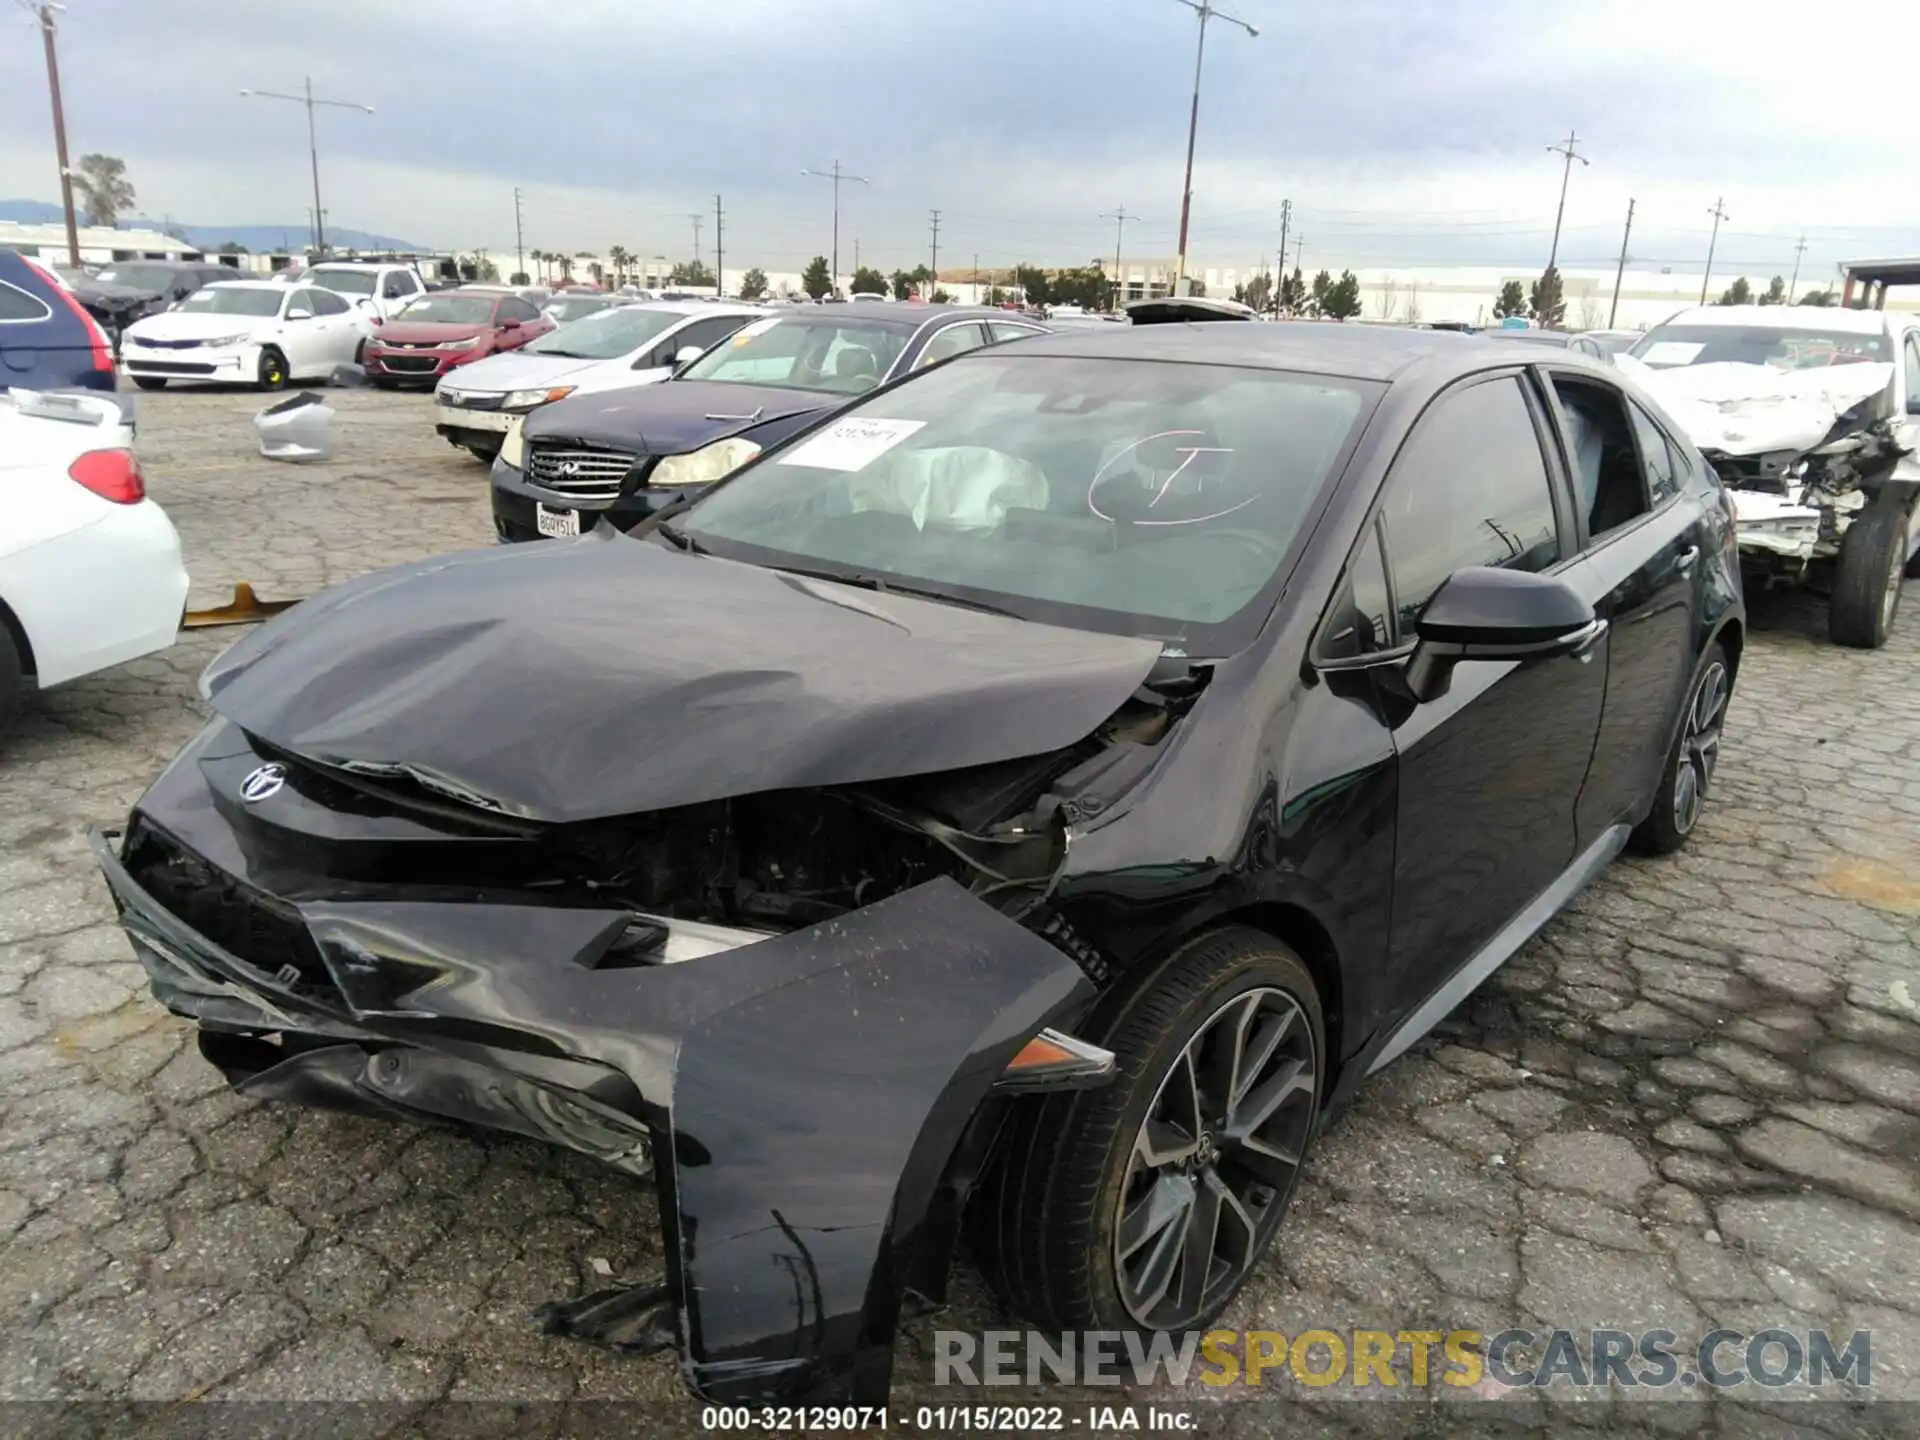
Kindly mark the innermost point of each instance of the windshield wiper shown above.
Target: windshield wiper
(681, 539)
(875, 583)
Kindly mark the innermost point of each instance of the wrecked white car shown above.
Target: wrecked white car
(1812, 417)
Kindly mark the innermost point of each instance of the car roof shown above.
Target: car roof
(899, 314)
(277, 286)
(691, 307)
(1357, 352)
(1784, 317)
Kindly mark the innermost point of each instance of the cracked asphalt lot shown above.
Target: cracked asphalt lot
(1693, 1102)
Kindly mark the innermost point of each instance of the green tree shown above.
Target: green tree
(1512, 300)
(1257, 292)
(753, 284)
(941, 297)
(869, 280)
(104, 188)
(1317, 297)
(1547, 301)
(1738, 293)
(1032, 281)
(1085, 285)
(1816, 297)
(814, 279)
(231, 247)
(519, 277)
(1342, 300)
(902, 284)
(691, 272)
(1293, 292)
(1775, 293)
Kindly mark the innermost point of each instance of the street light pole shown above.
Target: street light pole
(836, 175)
(313, 146)
(1205, 10)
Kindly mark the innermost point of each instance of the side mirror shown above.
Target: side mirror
(686, 355)
(364, 303)
(1485, 614)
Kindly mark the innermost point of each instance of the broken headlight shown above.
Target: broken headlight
(704, 466)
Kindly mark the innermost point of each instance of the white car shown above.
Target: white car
(613, 350)
(255, 332)
(1811, 415)
(90, 572)
(380, 289)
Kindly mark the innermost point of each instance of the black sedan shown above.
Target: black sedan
(617, 456)
(1028, 803)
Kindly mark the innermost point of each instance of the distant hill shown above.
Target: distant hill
(254, 237)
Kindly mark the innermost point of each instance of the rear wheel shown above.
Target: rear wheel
(1691, 762)
(150, 382)
(1146, 1205)
(1866, 584)
(13, 680)
(272, 373)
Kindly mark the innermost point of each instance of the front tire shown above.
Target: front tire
(1866, 584)
(272, 373)
(484, 453)
(1146, 1205)
(1691, 761)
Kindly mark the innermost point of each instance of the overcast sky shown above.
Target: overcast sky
(1403, 132)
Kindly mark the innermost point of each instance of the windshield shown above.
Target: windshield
(842, 357)
(140, 277)
(573, 307)
(1613, 344)
(605, 336)
(449, 309)
(1797, 348)
(342, 282)
(1135, 497)
(221, 300)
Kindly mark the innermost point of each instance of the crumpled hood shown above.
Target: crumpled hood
(1741, 409)
(611, 676)
(671, 418)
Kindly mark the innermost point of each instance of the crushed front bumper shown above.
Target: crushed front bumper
(801, 1097)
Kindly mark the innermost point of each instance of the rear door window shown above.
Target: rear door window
(1610, 487)
(16, 304)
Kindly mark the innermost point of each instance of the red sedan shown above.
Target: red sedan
(445, 329)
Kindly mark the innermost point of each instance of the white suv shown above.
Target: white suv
(382, 289)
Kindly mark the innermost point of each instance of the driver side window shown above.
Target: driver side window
(1469, 487)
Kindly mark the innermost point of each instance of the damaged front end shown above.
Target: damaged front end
(1802, 452)
(801, 1009)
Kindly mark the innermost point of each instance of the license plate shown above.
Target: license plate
(557, 523)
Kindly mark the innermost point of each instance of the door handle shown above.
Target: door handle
(1684, 560)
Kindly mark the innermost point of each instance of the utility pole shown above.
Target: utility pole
(519, 241)
(837, 175)
(1119, 218)
(1286, 217)
(697, 220)
(306, 98)
(719, 250)
(1621, 270)
(44, 15)
(1798, 251)
(1300, 254)
(1567, 149)
(1204, 9)
(934, 280)
(1719, 213)
(856, 252)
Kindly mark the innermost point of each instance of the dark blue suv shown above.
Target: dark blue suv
(47, 342)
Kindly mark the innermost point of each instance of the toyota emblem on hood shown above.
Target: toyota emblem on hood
(263, 783)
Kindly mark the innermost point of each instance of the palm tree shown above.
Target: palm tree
(619, 256)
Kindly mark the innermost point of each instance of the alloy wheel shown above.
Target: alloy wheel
(1699, 747)
(1215, 1159)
